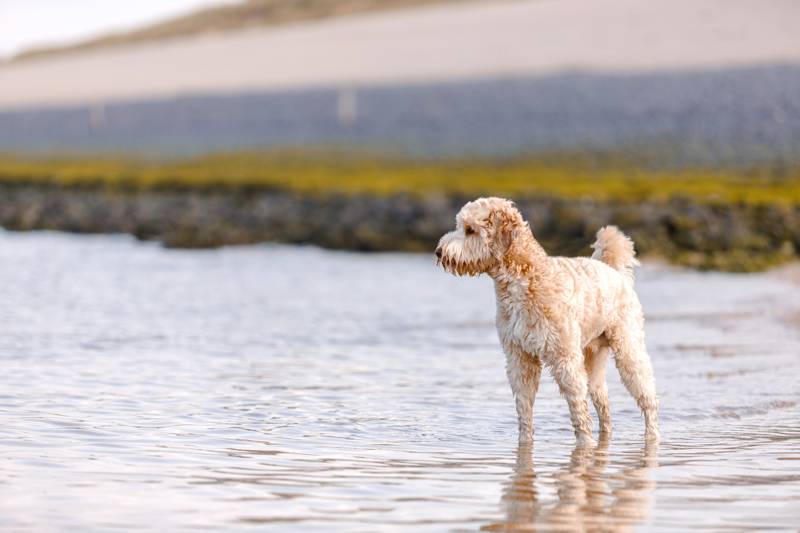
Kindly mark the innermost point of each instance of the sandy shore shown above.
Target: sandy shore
(476, 40)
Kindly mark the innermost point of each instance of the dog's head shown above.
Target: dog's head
(485, 230)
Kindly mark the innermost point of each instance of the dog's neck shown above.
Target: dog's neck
(519, 271)
(523, 258)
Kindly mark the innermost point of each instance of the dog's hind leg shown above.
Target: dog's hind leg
(524, 371)
(595, 358)
(635, 369)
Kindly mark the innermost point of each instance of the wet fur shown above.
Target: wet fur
(566, 314)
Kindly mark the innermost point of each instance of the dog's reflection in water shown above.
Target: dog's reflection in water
(587, 498)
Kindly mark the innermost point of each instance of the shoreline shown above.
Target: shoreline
(707, 236)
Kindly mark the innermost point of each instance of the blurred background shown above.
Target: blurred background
(680, 120)
(580, 112)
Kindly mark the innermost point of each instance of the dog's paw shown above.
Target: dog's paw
(585, 441)
(652, 435)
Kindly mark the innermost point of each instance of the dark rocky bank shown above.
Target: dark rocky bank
(737, 237)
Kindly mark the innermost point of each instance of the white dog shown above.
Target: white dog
(565, 313)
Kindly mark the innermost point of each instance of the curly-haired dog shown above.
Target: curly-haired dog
(565, 313)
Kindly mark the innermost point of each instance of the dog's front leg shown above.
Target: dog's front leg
(566, 364)
(524, 371)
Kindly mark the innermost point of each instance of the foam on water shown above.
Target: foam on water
(276, 387)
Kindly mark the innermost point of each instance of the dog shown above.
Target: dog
(566, 314)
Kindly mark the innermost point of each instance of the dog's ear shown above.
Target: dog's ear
(504, 225)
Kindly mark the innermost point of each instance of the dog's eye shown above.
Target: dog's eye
(469, 230)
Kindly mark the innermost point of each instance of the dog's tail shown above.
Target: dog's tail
(615, 249)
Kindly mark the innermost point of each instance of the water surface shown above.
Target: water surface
(277, 387)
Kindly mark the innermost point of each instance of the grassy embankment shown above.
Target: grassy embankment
(718, 219)
(601, 178)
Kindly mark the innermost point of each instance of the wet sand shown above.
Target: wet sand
(469, 41)
(284, 388)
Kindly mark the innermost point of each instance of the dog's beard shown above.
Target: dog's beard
(462, 268)
(459, 260)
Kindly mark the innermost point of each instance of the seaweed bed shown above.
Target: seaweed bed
(726, 219)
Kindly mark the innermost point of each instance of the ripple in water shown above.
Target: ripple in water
(279, 387)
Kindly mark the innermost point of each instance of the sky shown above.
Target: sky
(30, 23)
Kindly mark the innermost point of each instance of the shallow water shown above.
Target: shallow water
(276, 387)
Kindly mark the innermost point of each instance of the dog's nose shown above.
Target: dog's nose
(439, 252)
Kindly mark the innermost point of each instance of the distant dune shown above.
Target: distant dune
(247, 14)
(457, 40)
